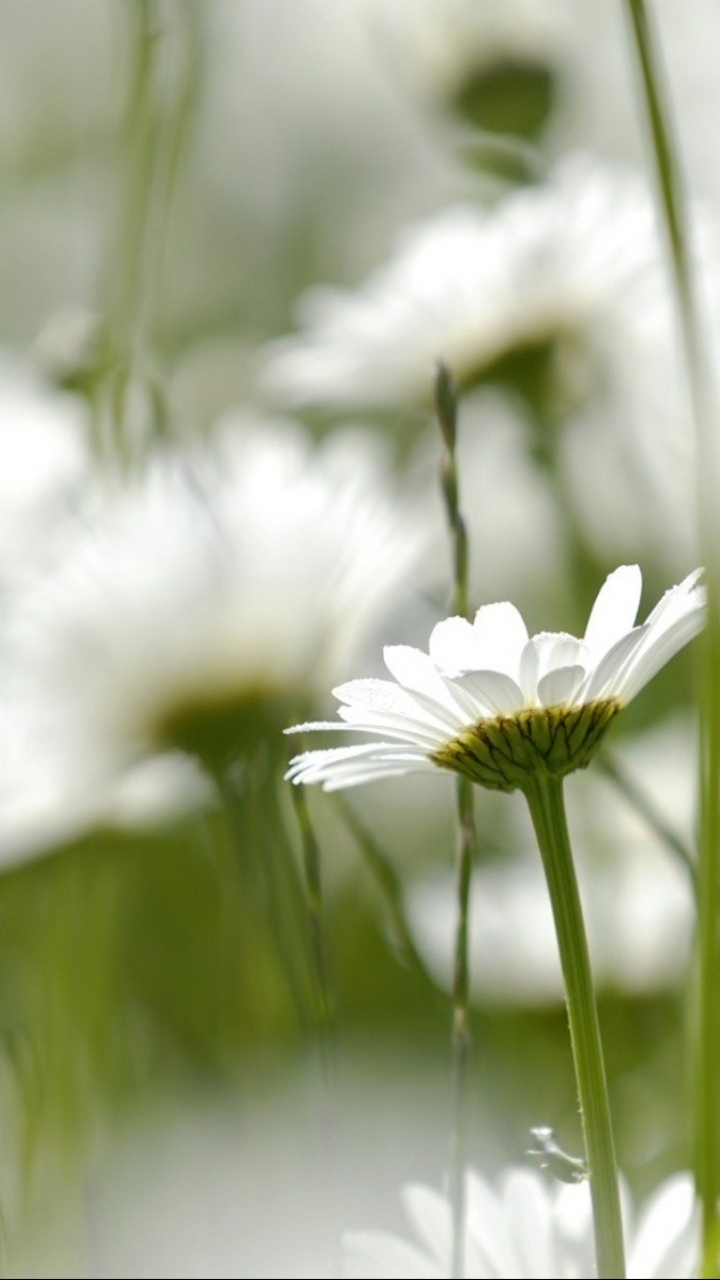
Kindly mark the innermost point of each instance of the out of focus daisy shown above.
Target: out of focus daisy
(559, 277)
(189, 611)
(527, 1226)
(493, 65)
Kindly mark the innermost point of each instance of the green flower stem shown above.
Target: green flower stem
(461, 1038)
(325, 1004)
(704, 410)
(446, 404)
(154, 144)
(263, 871)
(389, 884)
(544, 794)
(313, 886)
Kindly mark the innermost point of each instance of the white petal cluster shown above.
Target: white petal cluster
(252, 567)
(577, 257)
(492, 670)
(527, 1226)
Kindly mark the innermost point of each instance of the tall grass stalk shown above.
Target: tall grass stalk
(702, 397)
(163, 89)
(446, 405)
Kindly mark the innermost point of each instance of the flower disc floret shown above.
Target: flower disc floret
(499, 706)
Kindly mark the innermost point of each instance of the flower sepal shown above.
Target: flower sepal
(505, 753)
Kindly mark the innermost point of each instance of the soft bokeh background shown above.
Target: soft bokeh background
(218, 498)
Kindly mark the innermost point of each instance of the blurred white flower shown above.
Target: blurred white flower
(637, 897)
(44, 462)
(181, 610)
(576, 262)
(440, 44)
(528, 1226)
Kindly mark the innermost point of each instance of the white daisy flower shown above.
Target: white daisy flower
(575, 264)
(189, 611)
(528, 1226)
(496, 705)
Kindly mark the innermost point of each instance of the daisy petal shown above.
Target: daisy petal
(380, 706)
(666, 1235)
(347, 766)
(377, 1255)
(501, 637)
(657, 650)
(454, 646)
(416, 671)
(429, 1213)
(605, 680)
(615, 609)
(491, 691)
(548, 651)
(677, 596)
(559, 687)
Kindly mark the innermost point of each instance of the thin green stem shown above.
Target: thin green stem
(313, 885)
(257, 840)
(387, 880)
(446, 403)
(461, 1037)
(544, 794)
(162, 94)
(702, 397)
(447, 408)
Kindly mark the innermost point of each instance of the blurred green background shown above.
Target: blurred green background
(173, 176)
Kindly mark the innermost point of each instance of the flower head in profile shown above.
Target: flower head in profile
(526, 1225)
(498, 706)
(183, 614)
(571, 267)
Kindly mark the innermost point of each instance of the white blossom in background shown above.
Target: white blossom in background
(436, 43)
(577, 258)
(223, 581)
(637, 896)
(44, 463)
(526, 1225)
(573, 267)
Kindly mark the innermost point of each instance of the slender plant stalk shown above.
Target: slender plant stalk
(461, 1035)
(446, 405)
(258, 844)
(387, 880)
(701, 391)
(163, 89)
(544, 794)
(313, 886)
